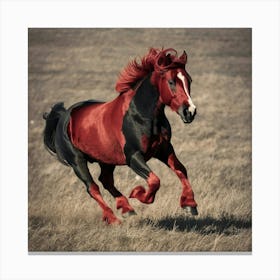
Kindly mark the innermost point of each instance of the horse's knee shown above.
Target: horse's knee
(147, 196)
(153, 182)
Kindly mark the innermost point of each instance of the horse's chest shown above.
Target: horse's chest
(152, 142)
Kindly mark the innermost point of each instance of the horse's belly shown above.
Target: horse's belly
(102, 150)
(95, 136)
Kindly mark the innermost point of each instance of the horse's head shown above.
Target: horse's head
(174, 83)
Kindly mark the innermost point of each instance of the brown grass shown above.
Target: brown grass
(76, 64)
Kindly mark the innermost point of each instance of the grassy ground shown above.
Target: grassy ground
(71, 65)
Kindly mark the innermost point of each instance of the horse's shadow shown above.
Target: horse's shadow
(226, 224)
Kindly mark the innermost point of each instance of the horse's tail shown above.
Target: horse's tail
(52, 119)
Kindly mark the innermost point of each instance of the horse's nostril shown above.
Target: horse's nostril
(188, 112)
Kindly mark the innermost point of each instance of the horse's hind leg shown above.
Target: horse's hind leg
(107, 179)
(81, 169)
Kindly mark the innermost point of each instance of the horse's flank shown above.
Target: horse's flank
(108, 144)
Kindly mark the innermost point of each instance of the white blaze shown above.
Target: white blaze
(191, 105)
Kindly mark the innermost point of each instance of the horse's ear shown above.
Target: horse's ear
(184, 57)
(168, 59)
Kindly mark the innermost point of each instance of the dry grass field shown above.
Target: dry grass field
(71, 65)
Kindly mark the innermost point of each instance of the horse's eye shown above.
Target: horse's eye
(171, 83)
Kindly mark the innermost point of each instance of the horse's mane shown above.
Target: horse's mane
(158, 60)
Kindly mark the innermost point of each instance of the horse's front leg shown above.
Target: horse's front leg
(137, 163)
(167, 155)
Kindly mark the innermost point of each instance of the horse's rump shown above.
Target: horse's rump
(62, 144)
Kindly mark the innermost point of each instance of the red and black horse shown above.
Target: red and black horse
(129, 130)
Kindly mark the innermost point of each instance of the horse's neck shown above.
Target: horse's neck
(145, 102)
(145, 110)
(148, 110)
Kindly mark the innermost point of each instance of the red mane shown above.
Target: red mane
(155, 60)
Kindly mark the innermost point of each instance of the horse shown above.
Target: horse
(129, 130)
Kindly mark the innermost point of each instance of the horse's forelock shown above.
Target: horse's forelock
(168, 59)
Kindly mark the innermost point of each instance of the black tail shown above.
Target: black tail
(52, 119)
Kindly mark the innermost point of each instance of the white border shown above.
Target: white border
(17, 16)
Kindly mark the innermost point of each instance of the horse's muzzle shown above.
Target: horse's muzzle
(186, 114)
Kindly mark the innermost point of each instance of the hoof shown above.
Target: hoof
(129, 214)
(191, 210)
(122, 203)
(111, 219)
(112, 222)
